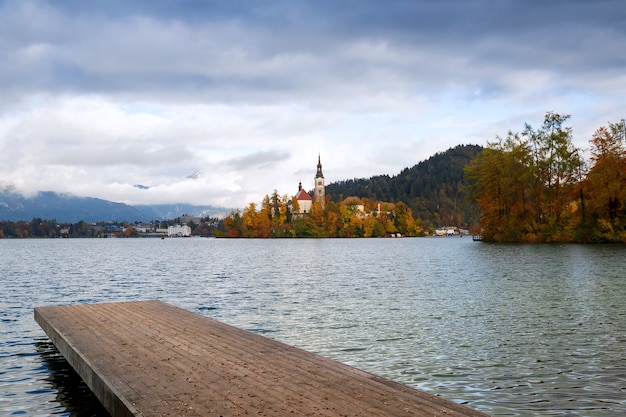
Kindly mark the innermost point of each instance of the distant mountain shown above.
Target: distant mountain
(66, 208)
(434, 189)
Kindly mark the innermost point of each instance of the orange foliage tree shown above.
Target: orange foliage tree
(336, 219)
(533, 186)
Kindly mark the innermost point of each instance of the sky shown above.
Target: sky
(220, 102)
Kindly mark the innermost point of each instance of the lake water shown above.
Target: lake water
(507, 329)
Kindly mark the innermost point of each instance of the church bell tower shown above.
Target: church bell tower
(319, 195)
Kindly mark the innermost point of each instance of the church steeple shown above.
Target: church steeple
(319, 168)
(319, 195)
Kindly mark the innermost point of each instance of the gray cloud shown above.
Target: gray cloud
(258, 160)
(222, 51)
(163, 88)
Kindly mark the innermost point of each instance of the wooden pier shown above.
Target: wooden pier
(149, 358)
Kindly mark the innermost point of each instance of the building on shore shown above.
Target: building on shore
(305, 200)
(179, 231)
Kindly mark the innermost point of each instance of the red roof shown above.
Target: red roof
(303, 195)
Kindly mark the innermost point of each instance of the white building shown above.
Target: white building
(305, 202)
(446, 231)
(179, 231)
(355, 205)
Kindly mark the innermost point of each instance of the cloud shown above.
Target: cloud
(103, 95)
(257, 160)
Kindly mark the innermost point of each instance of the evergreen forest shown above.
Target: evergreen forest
(435, 189)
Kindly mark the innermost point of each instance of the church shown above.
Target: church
(305, 201)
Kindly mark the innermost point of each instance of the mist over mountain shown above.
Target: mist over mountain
(172, 211)
(66, 208)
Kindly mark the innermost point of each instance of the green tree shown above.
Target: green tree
(556, 165)
(277, 215)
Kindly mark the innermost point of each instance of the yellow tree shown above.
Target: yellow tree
(248, 220)
(390, 227)
(317, 217)
(403, 220)
(369, 224)
(285, 214)
(295, 206)
(332, 222)
(356, 226)
(262, 222)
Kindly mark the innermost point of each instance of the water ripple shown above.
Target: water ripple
(509, 329)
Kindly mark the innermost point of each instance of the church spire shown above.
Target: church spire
(319, 167)
(319, 193)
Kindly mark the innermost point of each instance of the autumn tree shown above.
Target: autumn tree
(528, 185)
(317, 217)
(486, 173)
(606, 181)
(295, 206)
(334, 219)
(333, 216)
(369, 226)
(263, 222)
(233, 224)
(555, 165)
(404, 221)
(128, 232)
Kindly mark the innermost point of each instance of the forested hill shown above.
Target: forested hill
(434, 189)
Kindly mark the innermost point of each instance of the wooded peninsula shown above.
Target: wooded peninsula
(531, 186)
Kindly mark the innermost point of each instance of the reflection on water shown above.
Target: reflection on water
(508, 329)
(71, 393)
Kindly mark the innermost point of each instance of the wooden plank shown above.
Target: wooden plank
(149, 358)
